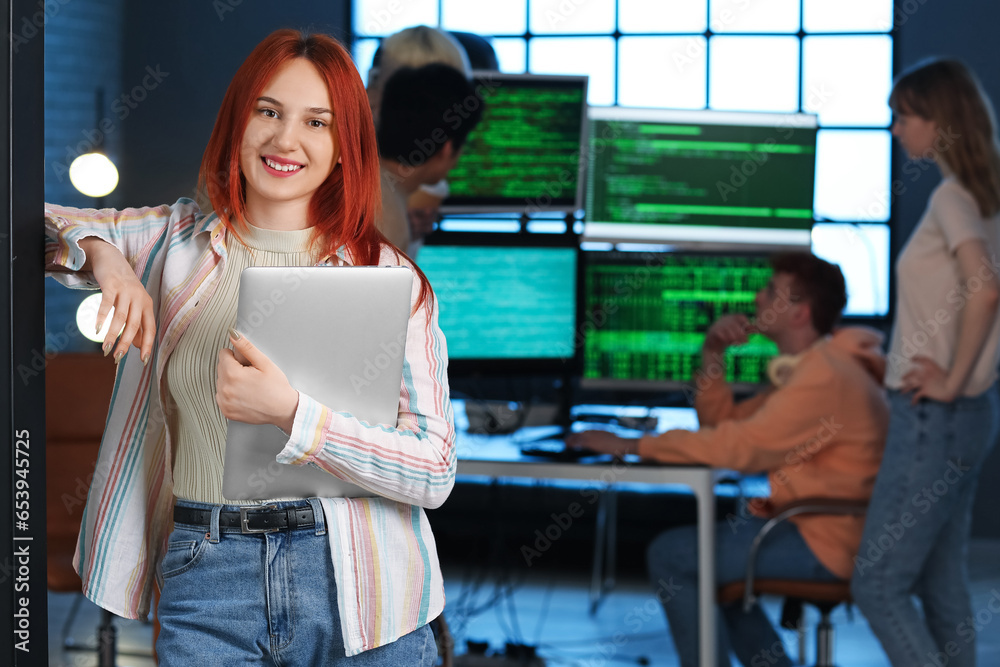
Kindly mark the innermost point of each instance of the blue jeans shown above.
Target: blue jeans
(917, 530)
(672, 559)
(231, 599)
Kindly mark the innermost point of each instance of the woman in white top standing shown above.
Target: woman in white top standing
(941, 378)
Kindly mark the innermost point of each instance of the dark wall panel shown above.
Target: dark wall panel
(83, 53)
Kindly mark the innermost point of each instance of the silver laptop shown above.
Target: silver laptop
(339, 334)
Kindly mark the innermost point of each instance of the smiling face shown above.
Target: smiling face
(290, 145)
(915, 134)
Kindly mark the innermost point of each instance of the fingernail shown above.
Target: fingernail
(106, 348)
(118, 357)
(234, 334)
(145, 360)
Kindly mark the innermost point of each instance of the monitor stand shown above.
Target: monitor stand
(562, 420)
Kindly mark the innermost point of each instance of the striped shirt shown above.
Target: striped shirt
(385, 561)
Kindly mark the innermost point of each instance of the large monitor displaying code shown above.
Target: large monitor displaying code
(524, 156)
(505, 298)
(700, 176)
(646, 314)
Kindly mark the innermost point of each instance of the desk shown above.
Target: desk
(494, 456)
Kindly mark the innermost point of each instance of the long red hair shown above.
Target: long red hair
(344, 208)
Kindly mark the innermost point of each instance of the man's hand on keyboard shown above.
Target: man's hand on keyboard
(603, 442)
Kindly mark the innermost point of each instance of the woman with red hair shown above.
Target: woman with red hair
(291, 171)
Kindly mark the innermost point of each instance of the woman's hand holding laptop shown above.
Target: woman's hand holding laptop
(256, 392)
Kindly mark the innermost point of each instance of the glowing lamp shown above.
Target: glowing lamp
(86, 318)
(93, 174)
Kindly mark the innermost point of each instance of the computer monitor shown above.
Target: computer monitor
(646, 314)
(524, 155)
(507, 303)
(700, 177)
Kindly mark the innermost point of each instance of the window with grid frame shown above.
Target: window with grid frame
(833, 59)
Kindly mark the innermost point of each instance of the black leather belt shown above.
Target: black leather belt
(250, 519)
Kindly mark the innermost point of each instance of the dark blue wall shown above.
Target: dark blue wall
(83, 53)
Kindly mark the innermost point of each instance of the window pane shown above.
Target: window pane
(569, 16)
(594, 56)
(485, 17)
(756, 16)
(364, 51)
(512, 54)
(662, 72)
(862, 253)
(852, 175)
(662, 15)
(847, 79)
(849, 15)
(754, 73)
(384, 17)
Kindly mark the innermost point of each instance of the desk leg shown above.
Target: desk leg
(600, 542)
(612, 543)
(705, 494)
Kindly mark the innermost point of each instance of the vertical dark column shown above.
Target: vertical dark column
(24, 618)
(6, 425)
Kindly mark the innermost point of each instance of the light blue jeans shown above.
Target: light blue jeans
(672, 560)
(917, 530)
(231, 599)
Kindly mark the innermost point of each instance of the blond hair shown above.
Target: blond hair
(946, 92)
(414, 47)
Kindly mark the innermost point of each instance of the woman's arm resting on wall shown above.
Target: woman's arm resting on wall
(121, 289)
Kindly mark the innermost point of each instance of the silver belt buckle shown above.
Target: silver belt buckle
(245, 528)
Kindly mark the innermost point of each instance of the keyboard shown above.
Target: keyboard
(555, 449)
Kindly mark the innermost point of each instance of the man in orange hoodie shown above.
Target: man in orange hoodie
(819, 430)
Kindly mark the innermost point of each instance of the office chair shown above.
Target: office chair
(825, 596)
